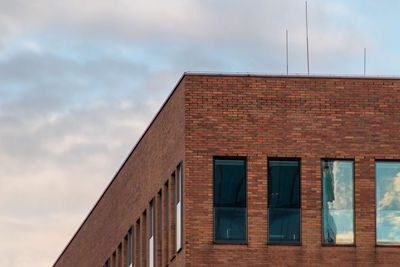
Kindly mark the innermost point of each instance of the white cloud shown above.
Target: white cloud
(345, 238)
(45, 195)
(34, 242)
(80, 80)
(391, 198)
(250, 34)
(343, 189)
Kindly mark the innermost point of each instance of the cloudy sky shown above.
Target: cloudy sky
(81, 80)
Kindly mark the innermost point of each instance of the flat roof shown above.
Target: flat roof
(220, 74)
(293, 75)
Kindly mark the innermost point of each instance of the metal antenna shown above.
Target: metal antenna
(287, 53)
(308, 54)
(365, 60)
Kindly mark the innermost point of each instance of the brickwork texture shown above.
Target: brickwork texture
(257, 117)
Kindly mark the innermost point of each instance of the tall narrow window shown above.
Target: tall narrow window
(120, 255)
(284, 201)
(129, 248)
(144, 239)
(160, 227)
(138, 250)
(151, 234)
(230, 206)
(107, 264)
(387, 178)
(178, 223)
(114, 259)
(337, 202)
(167, 225)
(126, 250)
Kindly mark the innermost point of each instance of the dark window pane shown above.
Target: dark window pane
(284, 225)
(230, 223)
(138, 249)
(167, 208)
(151, 219)
(337, 202)
(284, 201)
(126, 250)
(144, 239)
(160, 222)
(230, 199)
(230, 183)
(120, 254)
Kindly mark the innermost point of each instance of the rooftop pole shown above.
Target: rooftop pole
(287, 53)
(308, 54)
(365, 60)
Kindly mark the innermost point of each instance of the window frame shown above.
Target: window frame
(238, 242)
(178, 199)
(145, 234)
(129, 248)
(151, 234)
(354, 207)
(167, 222)
(107, 263)
(120, 256)
(137, 258)
(159, 231)
(375, 203)
(114, 259)
(300, 201)
(125, 251)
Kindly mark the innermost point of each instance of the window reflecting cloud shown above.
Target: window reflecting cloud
(387, 203)
(338, 212)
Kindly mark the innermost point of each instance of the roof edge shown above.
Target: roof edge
(294, 75)
(226, 74)
(122, 165)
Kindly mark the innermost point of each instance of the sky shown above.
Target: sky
(81, 80)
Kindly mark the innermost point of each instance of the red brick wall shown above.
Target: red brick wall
(306, 117)
(256, 117)
(151, 164)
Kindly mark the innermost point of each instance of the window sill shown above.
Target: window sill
(387, 246)
(285, 244)
(222, 242)
(338, 245)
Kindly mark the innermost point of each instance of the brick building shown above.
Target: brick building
(252, 170)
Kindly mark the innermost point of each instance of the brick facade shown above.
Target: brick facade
(257, 117)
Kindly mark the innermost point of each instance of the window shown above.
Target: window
(387, 178)
(120, 255)
(284, 201)
(151, 234)
(107, 264)
(337, 202)
(125, 249)
(160, 226)
(144, 239)
(167, 225)
(138, 250)
(114, 259)
(178, 193)
(129, 249)
(230, 200)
